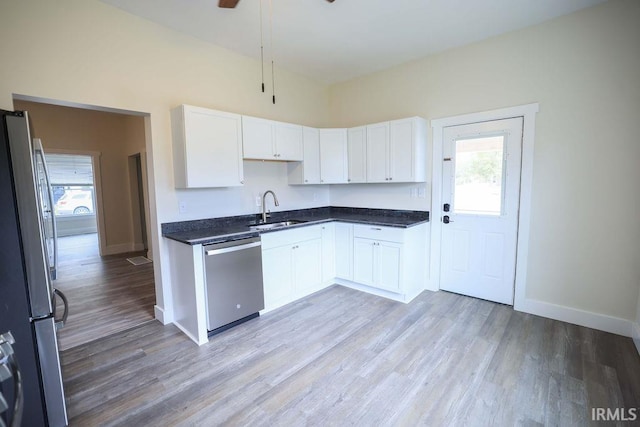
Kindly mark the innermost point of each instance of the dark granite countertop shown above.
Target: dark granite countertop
(216, 230)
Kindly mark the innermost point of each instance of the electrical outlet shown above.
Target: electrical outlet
(315, 197)
(413, 193)
(258, 201)
(422, 192)
(182, 207)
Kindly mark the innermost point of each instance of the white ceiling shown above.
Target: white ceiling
(333, 42)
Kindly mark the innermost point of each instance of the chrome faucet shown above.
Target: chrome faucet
(264, 203)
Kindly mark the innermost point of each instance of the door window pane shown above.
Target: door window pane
(479, 177)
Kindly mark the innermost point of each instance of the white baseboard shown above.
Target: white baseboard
(373, 291)
(161, 315)
(636, 335)
(602, 322)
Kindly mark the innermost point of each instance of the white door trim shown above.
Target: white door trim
(528, 112)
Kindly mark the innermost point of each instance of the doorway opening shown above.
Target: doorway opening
(102, 211)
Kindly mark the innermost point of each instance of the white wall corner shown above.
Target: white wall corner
(198, 340)
(161, 315)
(602, 322)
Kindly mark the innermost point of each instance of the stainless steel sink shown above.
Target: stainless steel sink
(270, 225)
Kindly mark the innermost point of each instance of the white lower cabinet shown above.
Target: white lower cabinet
(377, 263)
(386, 261)
(390, 261)
(307, 265)
(344, 250)
(328, 252)
(277, 267)
(291, 264)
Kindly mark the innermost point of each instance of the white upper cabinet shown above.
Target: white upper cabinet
(270, 140)
(288, 141)
(333, 156)
(408, 150)
(396, 151)
(207, 148)
(308, 170)
(257, 138)
(378, 152)
(357, 155)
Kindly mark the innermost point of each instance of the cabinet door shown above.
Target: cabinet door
(328, 252)
(388, 261)
(207, 148)
(257, 138)
(333, 156)
(364, 267)
(307, 265)
(277, 274)
(377, 152)
(357, 143)
(402, 151)
(311, 155)
(288, 141)
(344, 251)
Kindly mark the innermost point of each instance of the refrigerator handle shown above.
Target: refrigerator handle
(40, 152)
(60, 323)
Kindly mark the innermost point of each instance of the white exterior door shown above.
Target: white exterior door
(480, 196)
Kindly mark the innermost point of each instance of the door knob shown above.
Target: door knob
(446, 219)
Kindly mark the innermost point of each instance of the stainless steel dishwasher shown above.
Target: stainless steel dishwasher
(233, 281)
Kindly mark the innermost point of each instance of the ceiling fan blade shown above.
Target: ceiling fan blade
(228, 4)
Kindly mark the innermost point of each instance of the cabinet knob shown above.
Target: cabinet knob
(390, 179)
(241, 182)
(306, 180)
(349, 180)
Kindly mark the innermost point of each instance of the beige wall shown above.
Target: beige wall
(86, 52)
(114, 137)
(584, 70)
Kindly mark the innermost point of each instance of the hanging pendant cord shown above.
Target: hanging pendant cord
(273, 79)
(261, 47)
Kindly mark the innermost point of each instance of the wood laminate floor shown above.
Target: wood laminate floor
(343, 357)
(106, 294)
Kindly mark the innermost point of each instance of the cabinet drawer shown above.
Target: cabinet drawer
(289, 237)
(389, 234)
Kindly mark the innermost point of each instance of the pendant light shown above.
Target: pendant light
(273, 78)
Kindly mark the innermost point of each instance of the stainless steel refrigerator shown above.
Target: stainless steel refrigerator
(28, 258)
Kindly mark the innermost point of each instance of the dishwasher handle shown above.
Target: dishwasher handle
(232, 248)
